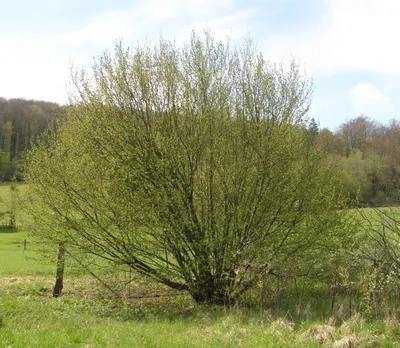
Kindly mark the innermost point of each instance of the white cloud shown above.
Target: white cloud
(350, 35)
(148, 19)
(363, 35)
(32, 68)
(104, 30)
(367, 99)
(234, 25)
(37, 62)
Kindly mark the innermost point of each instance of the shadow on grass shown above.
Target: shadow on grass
(7, 229)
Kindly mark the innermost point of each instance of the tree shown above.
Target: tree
(7, 131)
(379, 258)
(331, 143)
(21, 121)
(192, 166)
(313, 127)
(356, 132)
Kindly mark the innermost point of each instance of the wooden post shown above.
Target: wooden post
(60, 270)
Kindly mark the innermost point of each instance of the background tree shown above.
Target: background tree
(192, 166)
(21, 121)
(331, 144)
(6, 163)
(355, 133)
(313, 127)
(368, 154)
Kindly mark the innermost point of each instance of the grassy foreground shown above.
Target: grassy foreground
(150, 315)
(31, 318)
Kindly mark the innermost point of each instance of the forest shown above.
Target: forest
(21, 122)
(368, 154)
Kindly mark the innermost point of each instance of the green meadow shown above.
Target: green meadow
(88, 315)
(18, 257)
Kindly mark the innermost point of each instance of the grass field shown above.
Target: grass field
(31, 318)
(17, 255)
(15, 260)
(151, 316)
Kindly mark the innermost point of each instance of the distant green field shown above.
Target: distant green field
(14, 259)
(17, 261)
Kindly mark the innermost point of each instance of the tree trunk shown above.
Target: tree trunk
(209, 291)
(60, 270)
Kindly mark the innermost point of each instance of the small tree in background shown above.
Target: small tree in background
(13, 204)
(193, 166)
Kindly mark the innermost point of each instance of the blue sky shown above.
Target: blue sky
(349, 47)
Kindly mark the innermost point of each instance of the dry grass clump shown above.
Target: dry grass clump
(338, 317)
(391, 319)
(374, 341)
(357, 320)
(227, 330)
(320, 333)
(284, 324)
(346, 342)
(355, 323)
(18, 280)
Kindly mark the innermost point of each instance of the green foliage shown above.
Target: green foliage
(192, 166)
(368, 154)
(313, 127)
(21, 121)
(356, 172)
(380, 277)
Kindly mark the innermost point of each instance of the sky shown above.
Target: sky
(348, 47)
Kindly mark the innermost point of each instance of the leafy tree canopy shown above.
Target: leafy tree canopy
(193, 166)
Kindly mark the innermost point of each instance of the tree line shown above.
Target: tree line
(21, 122)
(368, 155)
